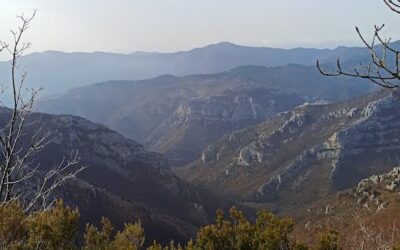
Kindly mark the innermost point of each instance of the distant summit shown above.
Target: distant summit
(222, 45)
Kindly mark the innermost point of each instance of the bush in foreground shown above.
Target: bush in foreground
(58, 227)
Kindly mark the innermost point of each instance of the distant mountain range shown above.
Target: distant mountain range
(59, 71)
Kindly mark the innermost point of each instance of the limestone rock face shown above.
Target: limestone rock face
(259, 150)
(374, 137)
(312, 151)
(390, 181)
(374, 131)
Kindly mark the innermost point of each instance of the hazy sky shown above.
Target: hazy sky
(170, 25)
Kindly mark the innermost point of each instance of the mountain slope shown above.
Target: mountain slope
(123, 181)
(365, 215)
(305, 154)
(178, 116)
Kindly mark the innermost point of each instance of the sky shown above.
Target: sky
(125, 26)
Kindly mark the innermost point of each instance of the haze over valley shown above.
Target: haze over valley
(230, 145)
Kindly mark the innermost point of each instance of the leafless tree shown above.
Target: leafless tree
(20, 179)
(384, 66)
(372, 237)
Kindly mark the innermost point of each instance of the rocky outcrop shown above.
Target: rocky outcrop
(389, 181)
(375, 193)
(259, 150)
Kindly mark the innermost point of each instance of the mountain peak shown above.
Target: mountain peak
(222, 45)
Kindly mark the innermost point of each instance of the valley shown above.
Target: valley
(279, 138)
(179, 116)
(199, 125)
(171, 150)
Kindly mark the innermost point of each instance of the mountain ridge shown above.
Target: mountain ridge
(212, 45)
(62, 71)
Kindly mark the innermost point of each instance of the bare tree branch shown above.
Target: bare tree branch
(372, 237)
(384, 66)
(17, 175)
(379, 71)
(393, 6)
